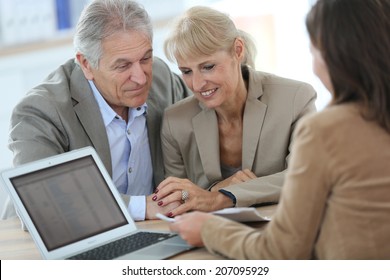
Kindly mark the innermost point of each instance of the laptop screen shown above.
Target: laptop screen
(69, 202)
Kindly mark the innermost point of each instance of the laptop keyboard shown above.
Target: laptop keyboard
(123, 246)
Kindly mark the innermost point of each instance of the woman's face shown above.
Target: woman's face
(214, 79)
(320, 68)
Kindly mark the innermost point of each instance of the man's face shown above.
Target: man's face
(124, 75)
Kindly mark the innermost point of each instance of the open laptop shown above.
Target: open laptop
(73, 210)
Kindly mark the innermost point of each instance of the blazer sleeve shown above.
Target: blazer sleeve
(36, 130)
(267, 189)
(292, 232)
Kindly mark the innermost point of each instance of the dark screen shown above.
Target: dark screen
(69, 202)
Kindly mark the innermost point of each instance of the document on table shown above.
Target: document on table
(243, 214)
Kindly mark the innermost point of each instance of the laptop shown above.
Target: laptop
(73, 211)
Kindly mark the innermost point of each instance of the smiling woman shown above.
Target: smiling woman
(233, 136)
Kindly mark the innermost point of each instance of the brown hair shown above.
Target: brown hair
(354, 39)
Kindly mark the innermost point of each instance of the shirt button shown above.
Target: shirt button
(130, 170)
(128, 131)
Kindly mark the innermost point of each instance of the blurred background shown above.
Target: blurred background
(36, 37)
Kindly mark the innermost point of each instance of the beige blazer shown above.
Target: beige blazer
(335, 202)
(274, 105)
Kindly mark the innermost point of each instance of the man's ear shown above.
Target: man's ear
(85, 66)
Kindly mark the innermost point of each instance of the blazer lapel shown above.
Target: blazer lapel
(253, 121)
(90, 117)
(207, 138)
(153, 123)
(254, 115)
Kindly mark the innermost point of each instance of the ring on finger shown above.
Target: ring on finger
(184, 195)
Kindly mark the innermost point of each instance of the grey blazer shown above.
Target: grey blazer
(273, 107)
(62, 114)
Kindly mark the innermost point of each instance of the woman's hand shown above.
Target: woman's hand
(172, 189)
(152, 208)
(189, 227)
(239, 177)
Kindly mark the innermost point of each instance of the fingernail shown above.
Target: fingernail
(156, 191)
(154, 198)
(170, 215)
(160, 203)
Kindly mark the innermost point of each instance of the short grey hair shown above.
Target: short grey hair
(102, 18)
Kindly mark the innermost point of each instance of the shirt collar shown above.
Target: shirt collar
(107, 112)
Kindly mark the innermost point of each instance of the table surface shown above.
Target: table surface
(16, 244)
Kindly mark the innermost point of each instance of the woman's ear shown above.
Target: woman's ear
(239, 49)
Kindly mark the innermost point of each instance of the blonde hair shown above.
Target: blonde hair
(202, 31)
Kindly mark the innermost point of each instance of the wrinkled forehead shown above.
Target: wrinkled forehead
(131, 45)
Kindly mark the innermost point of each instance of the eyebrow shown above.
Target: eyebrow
(198, 65)
(124, 60)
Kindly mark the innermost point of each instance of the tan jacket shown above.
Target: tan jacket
(190, 137)
(335, 202)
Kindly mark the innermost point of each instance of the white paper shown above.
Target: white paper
(242, 214)
(165, 218)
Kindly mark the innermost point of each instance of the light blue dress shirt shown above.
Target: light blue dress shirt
(132, 170)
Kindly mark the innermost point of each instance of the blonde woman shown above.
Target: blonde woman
(228, 145)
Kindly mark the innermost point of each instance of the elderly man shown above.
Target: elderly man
(106, 98)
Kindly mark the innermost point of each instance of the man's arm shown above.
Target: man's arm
(36, 130)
